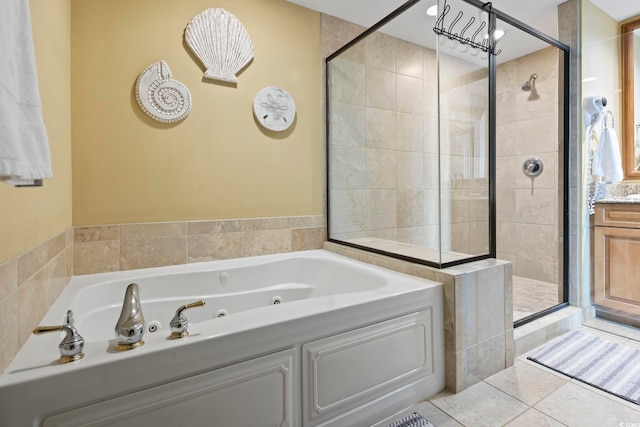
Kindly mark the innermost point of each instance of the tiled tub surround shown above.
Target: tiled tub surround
(385, 157)
(29, 284)
(478, 313)
(104, 248)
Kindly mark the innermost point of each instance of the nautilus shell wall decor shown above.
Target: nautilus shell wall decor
(160, 97)
(274, 108)
(221, 43)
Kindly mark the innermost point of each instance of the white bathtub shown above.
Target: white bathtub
(348, 344)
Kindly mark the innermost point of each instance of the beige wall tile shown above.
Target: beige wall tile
(8, 277)
(210, 227)
(33, 304)
(155, 252)
(348, 212)
(380, 88)
(308, 221)
(96, 257)
(337, 32)
(56, 245)
(380, 51)
(96, 233)
(303, 239)
(381, 210)
(430, 67)
(381, 128)
(9, 334)
(348, 168)
(265, 242)
(381, 169)
(276, 223)
(411, 235)
(151, 230)
(541, 242)
(539, 206)
(346, 81)
(410, 128)
(410, 95)
(410, 209)
(68, 237)
(32, 261)
(430, 102)
(482, 360)
(57, 276)
(546, 271)
(508, 295)
(409, 59)
(410, 170)
(348, 124)
(210, 247)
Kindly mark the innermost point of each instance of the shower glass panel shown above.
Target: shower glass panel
(529, 204)
(408, 139)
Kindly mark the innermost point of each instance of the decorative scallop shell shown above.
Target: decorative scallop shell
(159, 96)
(221, 43)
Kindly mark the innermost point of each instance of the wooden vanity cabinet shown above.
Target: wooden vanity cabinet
(616, 262)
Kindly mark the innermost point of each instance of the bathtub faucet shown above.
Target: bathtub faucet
(71, 345)
(179, 325)
(130, 326)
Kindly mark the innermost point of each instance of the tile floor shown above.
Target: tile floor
(530, 395)
(531, 296)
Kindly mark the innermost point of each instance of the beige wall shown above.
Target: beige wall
(35, 235)
(216, 164)
(601, 56)
(32, 215)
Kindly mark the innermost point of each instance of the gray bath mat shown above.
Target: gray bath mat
(611, 367)
(413, 420)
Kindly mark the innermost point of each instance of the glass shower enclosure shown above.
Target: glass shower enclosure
(408, 138)
(446, 135)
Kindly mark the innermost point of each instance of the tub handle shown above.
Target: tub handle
(179, 325)
(71, 345)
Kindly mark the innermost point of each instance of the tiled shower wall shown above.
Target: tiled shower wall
(527, 126)
(384, 144)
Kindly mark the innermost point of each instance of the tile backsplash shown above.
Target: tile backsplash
(103, 248)
(29, 284)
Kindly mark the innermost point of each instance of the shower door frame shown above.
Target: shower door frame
(493, 15)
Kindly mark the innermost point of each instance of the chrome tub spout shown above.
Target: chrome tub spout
(130, 326)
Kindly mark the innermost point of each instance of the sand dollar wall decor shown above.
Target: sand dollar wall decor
(274, 108)
(221, 43)
(159, 96)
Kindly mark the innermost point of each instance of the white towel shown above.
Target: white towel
(24, 148)
(606, 159)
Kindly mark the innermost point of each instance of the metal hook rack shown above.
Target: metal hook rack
(485, 45)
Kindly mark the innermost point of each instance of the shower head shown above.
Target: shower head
(528, 85)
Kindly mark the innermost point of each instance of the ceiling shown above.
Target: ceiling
(539, 14)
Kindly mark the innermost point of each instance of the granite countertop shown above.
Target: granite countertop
(623, 200)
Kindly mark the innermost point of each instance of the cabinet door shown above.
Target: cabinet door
(616, 269)
(260, 392)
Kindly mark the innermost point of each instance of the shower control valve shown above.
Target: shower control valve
(532, 167)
